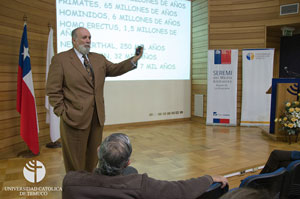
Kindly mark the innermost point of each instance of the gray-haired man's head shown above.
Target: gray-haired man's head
(114, 154)
(81, 40)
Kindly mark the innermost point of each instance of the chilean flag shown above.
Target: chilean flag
(25, 98)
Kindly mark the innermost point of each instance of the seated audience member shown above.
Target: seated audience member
(278, 159)
(246, 193)
(112, 179)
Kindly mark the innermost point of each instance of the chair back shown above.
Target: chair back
(214, 191)
(292, 184)
(271, 182)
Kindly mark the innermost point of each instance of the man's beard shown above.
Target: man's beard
(84, 50)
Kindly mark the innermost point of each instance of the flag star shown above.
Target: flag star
(25, 53)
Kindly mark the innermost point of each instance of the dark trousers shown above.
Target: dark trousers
(79, 147)
(276, 160)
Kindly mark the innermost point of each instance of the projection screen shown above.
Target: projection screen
(159, 88)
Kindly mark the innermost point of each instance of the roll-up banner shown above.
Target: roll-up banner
(257, 79)
(222, 87)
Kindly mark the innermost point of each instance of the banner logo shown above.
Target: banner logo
(293, 89)
(221, 121)
(250, 56)
(222, 57)
(34, 171)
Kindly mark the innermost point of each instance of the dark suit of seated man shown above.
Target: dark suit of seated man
(114, 179)
(280, 158)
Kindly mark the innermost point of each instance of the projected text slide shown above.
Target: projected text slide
(119, 26)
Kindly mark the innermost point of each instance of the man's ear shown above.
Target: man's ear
(98, 149)
(128, 163)
(73, 41)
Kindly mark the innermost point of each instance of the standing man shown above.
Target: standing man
(75, 89)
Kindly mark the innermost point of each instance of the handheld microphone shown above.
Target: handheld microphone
(291, 73)
(138, 50)
(286, 69)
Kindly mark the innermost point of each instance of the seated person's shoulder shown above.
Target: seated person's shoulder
(83, 178)
(74, 177)
(77, 173)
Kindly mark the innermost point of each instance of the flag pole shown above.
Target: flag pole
(25, 18)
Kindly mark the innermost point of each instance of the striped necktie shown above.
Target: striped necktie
(88, 68)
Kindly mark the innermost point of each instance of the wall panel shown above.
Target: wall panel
(199, 48)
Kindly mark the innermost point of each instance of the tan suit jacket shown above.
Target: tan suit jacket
(72, 93)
